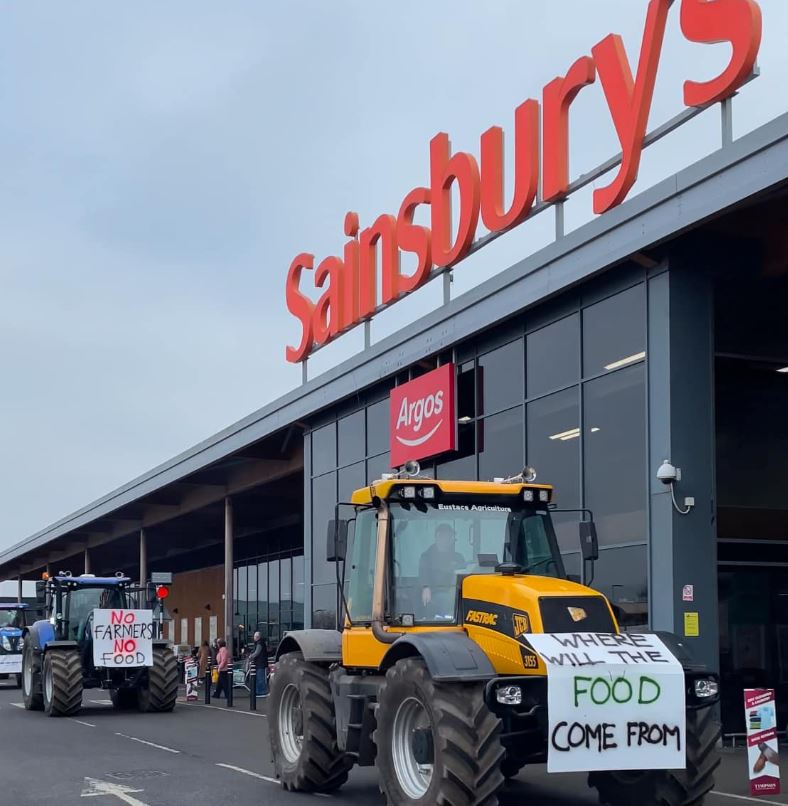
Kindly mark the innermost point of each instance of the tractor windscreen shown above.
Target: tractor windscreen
(12, 618)
(433, 544)
(81, 603)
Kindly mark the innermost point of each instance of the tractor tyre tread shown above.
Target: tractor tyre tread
(66, 670)
(161, 693)
(468, 750)
(687, 787)
(33, 699)
(321, 766)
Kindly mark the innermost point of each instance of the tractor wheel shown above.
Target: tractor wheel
(62, 682)
(303, 728)
(436, 742)
(687, 787)
(18, 680)
(123, 699)
(162, 690)
(32, 695)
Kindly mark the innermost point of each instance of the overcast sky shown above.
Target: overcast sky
(162, 163)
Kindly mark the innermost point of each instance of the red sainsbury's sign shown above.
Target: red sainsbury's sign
(422, 416)
(354, 287)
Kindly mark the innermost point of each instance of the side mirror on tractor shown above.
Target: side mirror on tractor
(336, 540)
(41, 593)
(589, 544)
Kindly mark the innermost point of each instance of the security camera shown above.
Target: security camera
(667, 473)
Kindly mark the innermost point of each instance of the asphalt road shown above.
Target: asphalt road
(205, 755)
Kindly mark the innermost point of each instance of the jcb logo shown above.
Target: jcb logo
(480, 617)
(522, 624)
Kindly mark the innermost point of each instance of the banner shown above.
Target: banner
(763, 761)
(122, 638)
(615, 702)
(191, 673)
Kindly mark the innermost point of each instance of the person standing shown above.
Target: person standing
(204, 659)
(259, 657)
(223, 667)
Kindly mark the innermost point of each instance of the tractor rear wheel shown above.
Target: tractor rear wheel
(32, 695)
(437, 742)
(687, 787)
(162, 690)
(123, 699)
(303, 728)
(62, 682)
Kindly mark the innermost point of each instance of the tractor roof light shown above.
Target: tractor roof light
(408, 493)
(427, 493)
(528, 496)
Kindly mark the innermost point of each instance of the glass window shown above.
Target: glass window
(324, 607)
(285, 594)
(621, 574)
(235, 590)
(351, 438)
(466, 391)
(251, 595)
(377, 466)
(500, 440)
(324, 500)
(615, 455)
(614, 332)
(350, 479)
(432, 546)
(262, 597)
(553, 356)
(243, 599)
(378, 427)
(80, 607)
(500, 375)
(298, 579)
(273, 601)
(554, 450)
(361, 568)
(324, 449)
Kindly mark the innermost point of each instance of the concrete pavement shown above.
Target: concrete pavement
(209, 755)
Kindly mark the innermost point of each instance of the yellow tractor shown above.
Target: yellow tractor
(431, 676)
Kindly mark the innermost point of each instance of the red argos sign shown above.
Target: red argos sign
(368, 276)
(423, 416)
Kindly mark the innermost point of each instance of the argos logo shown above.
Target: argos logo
(422, 416)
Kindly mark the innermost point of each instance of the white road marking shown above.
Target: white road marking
(150, 744)
(95, 789)
(249, 772)
(222, 708)
(17, 704)
(745, 797)
(79, 721)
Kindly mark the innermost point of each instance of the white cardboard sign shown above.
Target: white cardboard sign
(10, 664)
(615, 702)
(122, 638)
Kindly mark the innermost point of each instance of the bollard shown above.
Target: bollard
(208, 685)
(229, 674)
(253, 688)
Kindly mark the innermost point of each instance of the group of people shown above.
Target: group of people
(218, 657)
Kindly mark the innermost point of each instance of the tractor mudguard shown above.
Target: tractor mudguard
(681, 651)
(39, 635)
(317, 646)
(62, 645)
(450, 656)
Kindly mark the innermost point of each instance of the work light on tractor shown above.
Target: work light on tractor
(463, 651)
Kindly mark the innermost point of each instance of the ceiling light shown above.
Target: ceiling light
(572, 433)
(784, 370)
(623, 362)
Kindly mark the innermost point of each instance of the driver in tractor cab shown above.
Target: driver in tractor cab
(438, 568)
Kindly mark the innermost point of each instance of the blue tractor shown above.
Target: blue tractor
(12, 632)
(59, 661)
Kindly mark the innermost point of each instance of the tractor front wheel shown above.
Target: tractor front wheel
(162, 690)
(62, 682)
(437, 743)
(303, 728)
(32, 695)
(687, 787)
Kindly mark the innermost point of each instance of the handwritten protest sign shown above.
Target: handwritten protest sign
(615, 702)
(122, 638)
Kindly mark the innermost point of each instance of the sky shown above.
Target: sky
(162, 163)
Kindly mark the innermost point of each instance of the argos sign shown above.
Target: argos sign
(423, 416)
(354, 287)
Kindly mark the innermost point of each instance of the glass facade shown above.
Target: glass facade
(566, 395)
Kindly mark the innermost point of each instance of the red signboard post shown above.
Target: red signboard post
(423, 416)
(762, 751)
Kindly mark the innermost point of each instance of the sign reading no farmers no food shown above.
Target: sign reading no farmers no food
(122, 638)
(616, 702)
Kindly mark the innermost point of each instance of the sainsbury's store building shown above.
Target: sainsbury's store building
(655, 332)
